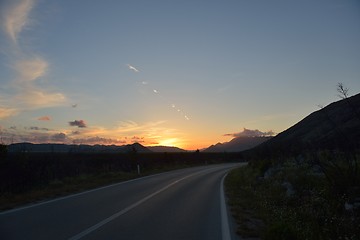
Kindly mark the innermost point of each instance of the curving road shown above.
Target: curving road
(181, 204)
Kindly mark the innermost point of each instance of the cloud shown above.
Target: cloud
(7, 112)
(38, 98)
(137, 139)
(250, 133)
(28, 66)
(31, 69)
(59, 137)
(44, 118)
(132, 68)
(16, 17)
(39, 129)
(98, 140)
(78, 123)
(133, 127)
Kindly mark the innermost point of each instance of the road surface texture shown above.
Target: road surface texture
(182, 204)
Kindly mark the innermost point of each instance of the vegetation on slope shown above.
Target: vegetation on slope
(296, 199)
(305, 182)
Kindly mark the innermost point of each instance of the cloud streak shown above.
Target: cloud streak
(39, 129)
(27, 93)
(98, 140)
(38, 98)
(16, 17)
(132, 68)
(250, 133)
(31, 69)
(133, 127)
(7, 112)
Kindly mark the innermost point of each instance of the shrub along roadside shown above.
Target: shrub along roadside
(26, 177)
(290, 200)
(71, 185)
(58, 188)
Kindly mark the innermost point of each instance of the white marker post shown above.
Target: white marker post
(138, 168)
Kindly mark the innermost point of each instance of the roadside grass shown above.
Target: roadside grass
(72, 185)
(59, 188)
(289, 201)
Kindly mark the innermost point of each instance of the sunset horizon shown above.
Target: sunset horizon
(178, 74)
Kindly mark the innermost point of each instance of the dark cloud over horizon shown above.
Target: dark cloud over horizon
(98, 140)
(39, 129)
(59, 137)
(78, 123)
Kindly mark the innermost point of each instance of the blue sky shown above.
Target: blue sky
(181, 73)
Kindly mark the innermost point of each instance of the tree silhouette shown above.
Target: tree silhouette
(342, 90)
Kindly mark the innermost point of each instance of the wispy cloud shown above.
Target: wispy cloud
(250, 133)
(78, 123)
(38, 98)
(16, 17)
(98, 140)
(31, 69)
(7, 112)
(132, 68)
(131, 126)
(27, 92)
(39, 129)
(150, 133)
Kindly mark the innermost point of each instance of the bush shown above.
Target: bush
(280, 231)
(316, 208)
(3, 151)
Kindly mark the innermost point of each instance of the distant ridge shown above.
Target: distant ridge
(165, 149)
(65, 148)
(336, 126)
(237, 144)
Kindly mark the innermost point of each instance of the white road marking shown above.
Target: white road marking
(76, 194)
(225, 228)
(125, 210)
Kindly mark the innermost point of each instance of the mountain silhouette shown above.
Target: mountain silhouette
(336, 126)
(165, 149)
(237, 144)
(64, 148)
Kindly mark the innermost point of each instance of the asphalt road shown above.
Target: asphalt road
(182, 204)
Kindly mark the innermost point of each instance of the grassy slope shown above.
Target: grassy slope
(263, 208)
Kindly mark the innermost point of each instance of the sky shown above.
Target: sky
(186, 73)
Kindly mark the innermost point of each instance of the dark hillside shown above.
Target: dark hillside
(64, 148)
(336, 126)
(164, 149)
(303, 183)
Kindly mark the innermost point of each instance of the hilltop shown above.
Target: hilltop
(64, 148)
(237, 144)
(336, 126)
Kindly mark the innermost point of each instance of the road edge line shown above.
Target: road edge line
(225, 227)
(37, 204)
(127, 209)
